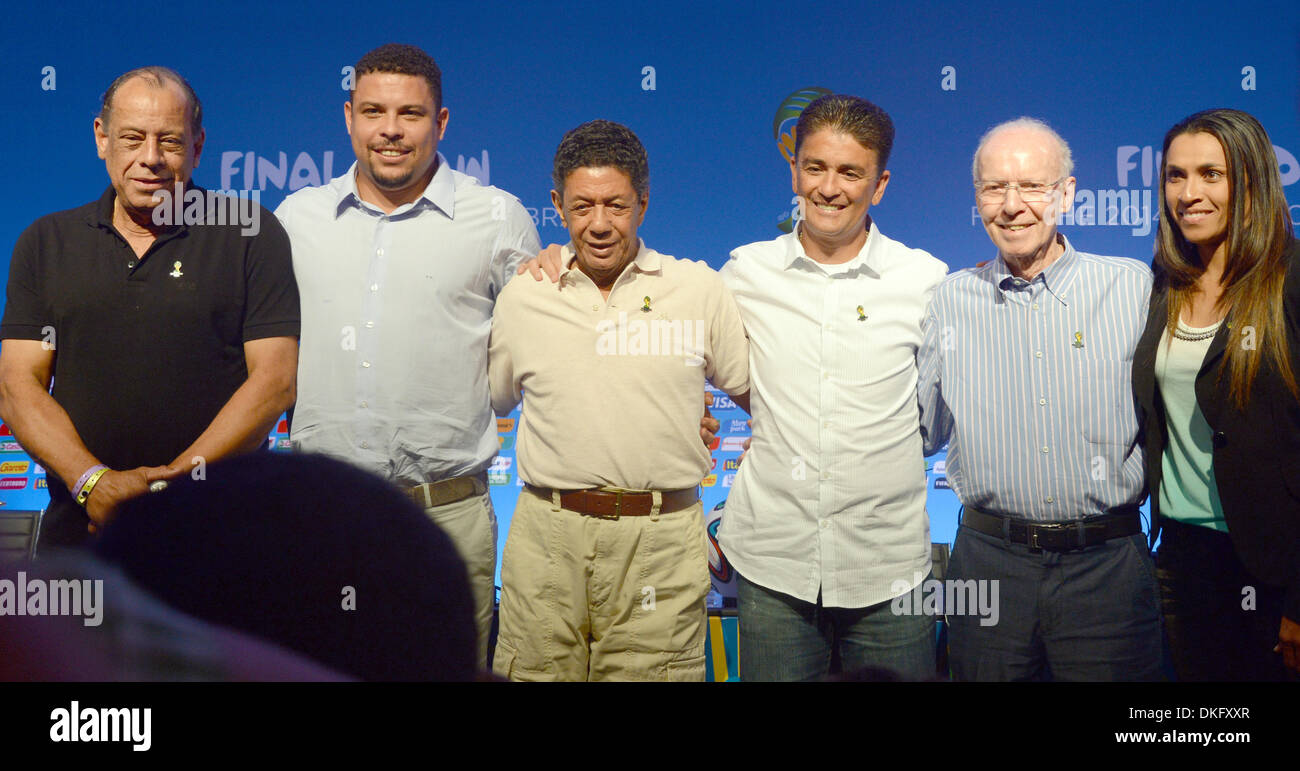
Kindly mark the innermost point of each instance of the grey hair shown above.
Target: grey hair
(1024, 122)
(156, 75)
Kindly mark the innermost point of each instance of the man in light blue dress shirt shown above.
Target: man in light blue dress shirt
(1025, 372)
(399, 263)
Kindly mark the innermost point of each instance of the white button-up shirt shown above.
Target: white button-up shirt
(396, 313)
(831, 496)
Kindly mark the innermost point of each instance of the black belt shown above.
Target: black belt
(1055, 536)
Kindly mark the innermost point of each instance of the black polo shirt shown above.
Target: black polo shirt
(147, 349)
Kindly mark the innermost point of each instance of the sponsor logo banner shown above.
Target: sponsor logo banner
(733, 444)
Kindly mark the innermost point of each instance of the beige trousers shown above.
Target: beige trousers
(586, 598)
(472, 526)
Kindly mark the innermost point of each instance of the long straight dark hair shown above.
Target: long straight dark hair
(1259, 242)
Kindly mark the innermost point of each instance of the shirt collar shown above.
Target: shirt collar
(1056, 277)
(440, 192)
(646, 260)
(867, 257)
(102, 215)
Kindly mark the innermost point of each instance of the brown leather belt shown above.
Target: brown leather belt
(612, 505)
(447, 491)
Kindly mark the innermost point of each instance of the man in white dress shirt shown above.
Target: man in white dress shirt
(826, 522)
(399, 263)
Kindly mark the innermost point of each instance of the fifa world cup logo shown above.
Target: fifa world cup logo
(783, 131)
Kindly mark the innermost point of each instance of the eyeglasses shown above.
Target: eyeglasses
(995, 191)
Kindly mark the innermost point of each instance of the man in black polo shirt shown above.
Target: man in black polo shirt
(169, 344)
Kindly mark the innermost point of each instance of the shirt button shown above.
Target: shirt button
(827, 424)
(365, 445)
(595, 307)
(828, 326)
(1042, 401)
(370, 324)
(364, 404)
(826, 475)
(1049, 499)
(365, 364)
(1038, 354)
(374, 287)
(379, 252)
(826, 376)
(825, 524)
(1044, 449)
(130, 263)
(1034, 306)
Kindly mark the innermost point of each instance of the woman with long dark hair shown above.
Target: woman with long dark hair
(1215, 376)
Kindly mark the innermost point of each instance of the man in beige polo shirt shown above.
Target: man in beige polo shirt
(604, 574)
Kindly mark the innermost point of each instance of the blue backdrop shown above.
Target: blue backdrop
(703, 84)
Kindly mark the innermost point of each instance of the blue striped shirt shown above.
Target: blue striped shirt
(1030, 383)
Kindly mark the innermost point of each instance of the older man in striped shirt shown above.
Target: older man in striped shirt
(1025, 372)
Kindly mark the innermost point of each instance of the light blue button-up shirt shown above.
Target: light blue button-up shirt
(396, 313)
(1030, 382)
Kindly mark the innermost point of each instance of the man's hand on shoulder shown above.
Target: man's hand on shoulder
(548, 262)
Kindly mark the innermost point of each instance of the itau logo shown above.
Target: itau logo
(783, 130)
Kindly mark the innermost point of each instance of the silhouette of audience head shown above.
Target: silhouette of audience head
(311, 554)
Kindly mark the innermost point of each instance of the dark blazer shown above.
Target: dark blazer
(1256, 451)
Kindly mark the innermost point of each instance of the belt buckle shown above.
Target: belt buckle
(1035, 530)
(618, 506)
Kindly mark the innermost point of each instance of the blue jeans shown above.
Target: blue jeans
(1090, 615)
(787, 639)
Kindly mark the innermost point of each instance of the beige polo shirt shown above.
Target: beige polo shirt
(613, 391)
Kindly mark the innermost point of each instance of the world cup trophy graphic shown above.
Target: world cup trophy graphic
(783, 131)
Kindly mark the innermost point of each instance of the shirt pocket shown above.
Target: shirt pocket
(1106, 409)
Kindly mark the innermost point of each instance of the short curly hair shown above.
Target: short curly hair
(404, 60)
(600, 143)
